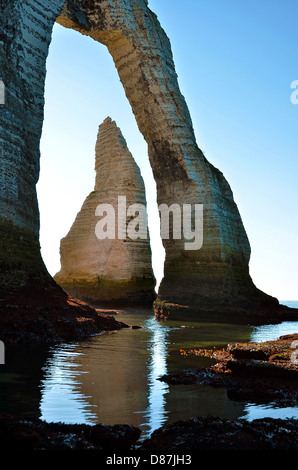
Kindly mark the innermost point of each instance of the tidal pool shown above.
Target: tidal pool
(112, 378)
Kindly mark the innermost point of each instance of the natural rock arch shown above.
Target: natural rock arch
(216, 277)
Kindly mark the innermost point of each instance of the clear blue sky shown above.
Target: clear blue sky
(235, 63)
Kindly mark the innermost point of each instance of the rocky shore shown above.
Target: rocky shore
(51, 318)
(245, 314)
(25, 434)
(199, 434)
(258, 372)
(216, 434)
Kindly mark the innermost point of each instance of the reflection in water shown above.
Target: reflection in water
(156, 414)
(253, 411)
(20, 379)
(60, 389)
(115, 393)
(113, 378)
(272, 332)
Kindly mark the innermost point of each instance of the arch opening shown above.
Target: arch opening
(82, 87)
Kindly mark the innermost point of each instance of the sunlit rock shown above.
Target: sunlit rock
(106, 255)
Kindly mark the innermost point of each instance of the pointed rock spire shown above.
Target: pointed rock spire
(106, 257)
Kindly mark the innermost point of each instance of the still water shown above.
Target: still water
(112, 378)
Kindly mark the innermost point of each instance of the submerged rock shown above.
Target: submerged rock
(258, 372)
(116, 270)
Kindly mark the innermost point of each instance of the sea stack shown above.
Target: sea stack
(104, 260)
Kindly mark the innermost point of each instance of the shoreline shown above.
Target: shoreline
(258, 372)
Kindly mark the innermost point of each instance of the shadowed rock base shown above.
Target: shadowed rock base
(48, 315)
(222, 294)
(110, 293)
(220, 291)
(252, 315)
(35, 434)
(216, 434)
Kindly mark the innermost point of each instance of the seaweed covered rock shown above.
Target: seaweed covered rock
(257, 372)
(34, 435)
(216, 434)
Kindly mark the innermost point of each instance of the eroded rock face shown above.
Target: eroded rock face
(110, 270)
(216, 277)
(25, 35)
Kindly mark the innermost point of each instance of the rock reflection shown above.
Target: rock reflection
(62, 399)
(20, 379)
(156, 413)
(113, 378)
(110, 379)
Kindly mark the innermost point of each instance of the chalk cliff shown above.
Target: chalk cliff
(215, 277)
(116, 270)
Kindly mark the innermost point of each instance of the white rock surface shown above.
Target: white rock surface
(117, 270)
